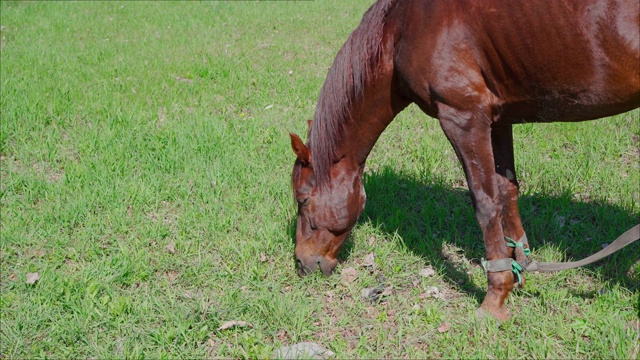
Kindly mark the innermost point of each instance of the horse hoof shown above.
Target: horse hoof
(499, 316)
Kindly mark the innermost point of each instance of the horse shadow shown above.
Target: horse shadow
(427, 214)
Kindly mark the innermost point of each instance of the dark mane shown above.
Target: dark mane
(344, 84)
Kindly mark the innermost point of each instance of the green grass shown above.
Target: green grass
(145, 168)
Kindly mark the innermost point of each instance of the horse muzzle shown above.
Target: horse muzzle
(310, 264)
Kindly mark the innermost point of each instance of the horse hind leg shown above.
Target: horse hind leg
(502, 144)
(470, 135)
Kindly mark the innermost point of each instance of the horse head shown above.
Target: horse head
(326, 212)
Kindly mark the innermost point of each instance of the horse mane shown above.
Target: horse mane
(345, 83)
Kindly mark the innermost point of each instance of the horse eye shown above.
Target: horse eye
(303, 201)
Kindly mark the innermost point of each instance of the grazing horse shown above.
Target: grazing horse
(479, 67)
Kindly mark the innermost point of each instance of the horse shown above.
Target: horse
(479, 67)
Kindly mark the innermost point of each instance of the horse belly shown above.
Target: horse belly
(562, 63)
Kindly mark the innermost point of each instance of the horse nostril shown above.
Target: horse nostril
(302, 270)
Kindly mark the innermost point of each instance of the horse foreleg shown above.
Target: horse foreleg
(470, 135)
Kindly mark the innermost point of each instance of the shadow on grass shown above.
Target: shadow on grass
(427, 214)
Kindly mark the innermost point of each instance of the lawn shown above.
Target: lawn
(145, 166)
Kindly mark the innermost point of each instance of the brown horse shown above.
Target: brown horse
(478, 67)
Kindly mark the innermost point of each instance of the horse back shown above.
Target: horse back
(534, 60)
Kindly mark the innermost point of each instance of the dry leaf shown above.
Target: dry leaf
(32, 278)
(433, 292)
(212, 345)
(184, 79)
(304, 350)
(371, 240)
(444, 327)
(330, 295)
(171, 247)
(348, 275)
(234, 323)
(370, 259)
(171, 275)
(263, 257)
(427, 272)
(129, 211)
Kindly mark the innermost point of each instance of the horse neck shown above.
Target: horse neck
(370, 117)
(358, 100)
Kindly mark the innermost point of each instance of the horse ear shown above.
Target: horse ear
(302, 151)
(309, 122)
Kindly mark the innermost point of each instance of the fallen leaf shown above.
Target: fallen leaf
(370, 259)
(212, 346)
(171, 247)
(13, 277)
(444, 327)
(171, 275)
(427, 272)
(348, 275)
(371, 240)
(375, 294)
(183, 79)
(303, 350)
(32, 278)
(234, 323)
(370, 293)
(330, 295)
(370, 262)
(433, 292)
(263, 257)
(268, 107)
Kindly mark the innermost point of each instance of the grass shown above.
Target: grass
(145, 168)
